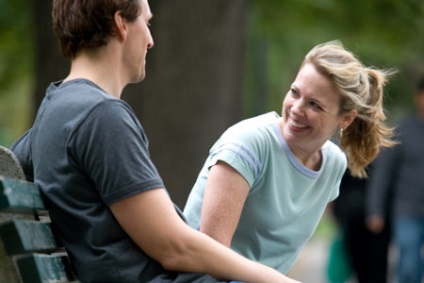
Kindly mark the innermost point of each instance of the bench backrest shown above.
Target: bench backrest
(9, 164)
(27, 234)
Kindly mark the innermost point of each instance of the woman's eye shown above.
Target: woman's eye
(315, 106)
(294, 92)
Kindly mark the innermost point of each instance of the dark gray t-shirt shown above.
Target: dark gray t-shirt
(87, 150)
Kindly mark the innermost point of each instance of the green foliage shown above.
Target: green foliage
(383, 33)
(16, 41)
(16, 63)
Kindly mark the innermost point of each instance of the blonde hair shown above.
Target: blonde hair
(361, 89)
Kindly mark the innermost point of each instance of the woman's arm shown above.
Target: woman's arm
(225, 193)
(152, 222)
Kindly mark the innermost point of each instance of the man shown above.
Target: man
(402, 168)
(89, 154)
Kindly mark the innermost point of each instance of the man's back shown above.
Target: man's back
(76, 121)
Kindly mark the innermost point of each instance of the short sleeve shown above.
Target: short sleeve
(111, 146)
(239, 156)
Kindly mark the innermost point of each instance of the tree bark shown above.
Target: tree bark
(194, 85)
(49, 64)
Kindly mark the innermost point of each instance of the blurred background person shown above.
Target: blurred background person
(403, 167)
(366, 252)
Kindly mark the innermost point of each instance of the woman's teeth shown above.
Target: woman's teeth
(297, 125)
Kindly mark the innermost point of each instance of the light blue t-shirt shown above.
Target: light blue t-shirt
(286, 200)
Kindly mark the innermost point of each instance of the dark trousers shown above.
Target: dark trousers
(367, 252)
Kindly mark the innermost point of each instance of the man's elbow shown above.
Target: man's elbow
(176, 258)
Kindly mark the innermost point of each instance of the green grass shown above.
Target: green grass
(326, 228)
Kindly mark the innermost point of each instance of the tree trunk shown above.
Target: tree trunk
(194, 85)
(49, 64)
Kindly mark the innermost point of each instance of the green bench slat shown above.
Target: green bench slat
(29, 242)
(41, 268)
(24, 236)
(24, 197)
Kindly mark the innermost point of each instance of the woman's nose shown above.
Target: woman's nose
(298, 108)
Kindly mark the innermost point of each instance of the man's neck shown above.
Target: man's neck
(93, 66)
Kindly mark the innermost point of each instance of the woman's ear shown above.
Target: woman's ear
(348, 118)
(121, 26)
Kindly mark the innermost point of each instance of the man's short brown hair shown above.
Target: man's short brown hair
(81, 24)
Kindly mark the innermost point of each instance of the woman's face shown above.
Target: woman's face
(310, 111)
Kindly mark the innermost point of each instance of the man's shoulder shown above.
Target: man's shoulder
(79, 90)
(80, 97)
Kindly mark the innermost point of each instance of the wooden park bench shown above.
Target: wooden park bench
(25, 229)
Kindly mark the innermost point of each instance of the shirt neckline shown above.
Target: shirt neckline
(293, 160)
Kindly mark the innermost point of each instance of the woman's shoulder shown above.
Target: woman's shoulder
(252, 126)
(253, 133)
(333, 153)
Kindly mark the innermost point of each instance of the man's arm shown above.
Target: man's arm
(21, 148)
(152, 222)
(382, 177)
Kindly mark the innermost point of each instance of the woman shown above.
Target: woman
(268, 179)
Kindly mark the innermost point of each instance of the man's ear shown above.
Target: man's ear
(121, 26)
